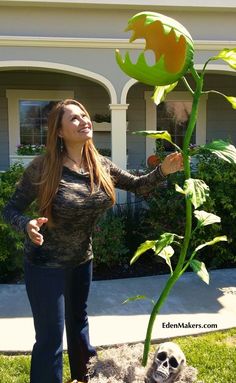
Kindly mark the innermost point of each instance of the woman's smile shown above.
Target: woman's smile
(76, 125)
(85, 129)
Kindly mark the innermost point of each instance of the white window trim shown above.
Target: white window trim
(13, 96)
(209, 4)
(151, 117)
(101, 43)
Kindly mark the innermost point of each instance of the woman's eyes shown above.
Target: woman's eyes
(77, 118)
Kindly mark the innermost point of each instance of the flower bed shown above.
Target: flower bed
(29, 149)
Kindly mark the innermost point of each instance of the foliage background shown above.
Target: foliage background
(118, 234)
(11, 241)
(166, 211)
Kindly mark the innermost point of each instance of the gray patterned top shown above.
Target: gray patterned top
(74, 211)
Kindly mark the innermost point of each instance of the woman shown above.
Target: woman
(73, 186)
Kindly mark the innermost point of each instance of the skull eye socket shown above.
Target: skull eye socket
(173, 362)
(162, 356)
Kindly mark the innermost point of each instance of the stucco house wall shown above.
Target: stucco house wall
(70, 45)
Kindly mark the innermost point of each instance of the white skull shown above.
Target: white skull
(169, 361)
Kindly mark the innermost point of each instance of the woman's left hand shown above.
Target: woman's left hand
(172, 163)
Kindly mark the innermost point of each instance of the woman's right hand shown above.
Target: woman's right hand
(33, 228)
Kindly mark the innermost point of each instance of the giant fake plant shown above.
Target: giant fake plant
(173, 49)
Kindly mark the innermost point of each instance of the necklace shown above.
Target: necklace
(75, 162)
(80, 170)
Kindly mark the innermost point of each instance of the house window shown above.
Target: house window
(27, 115)
(173, 116)
(33, 121)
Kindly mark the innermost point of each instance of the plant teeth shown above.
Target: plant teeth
(133, 56)
(150, 57)
(132, 37)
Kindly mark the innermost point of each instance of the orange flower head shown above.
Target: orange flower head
(171, 44)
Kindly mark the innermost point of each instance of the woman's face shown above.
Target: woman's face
(76, 125)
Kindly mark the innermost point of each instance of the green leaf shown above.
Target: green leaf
(232, 100)
(166, 254)
(228, 55)
(157, 134)
(222, 149)
(206, 218)
(197, 190)
(157, 246)
(212, 242)
(142, 249)
(200, 269)
(179, 189)
(137, 298)
(165, 240)
(161, 92)
(194, 189)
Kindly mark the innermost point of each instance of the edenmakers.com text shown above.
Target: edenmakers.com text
(188, 325)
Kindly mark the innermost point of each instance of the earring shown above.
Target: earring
(61, 144)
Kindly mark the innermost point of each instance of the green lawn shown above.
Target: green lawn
(213, 354)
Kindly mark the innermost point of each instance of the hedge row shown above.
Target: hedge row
(119, 232)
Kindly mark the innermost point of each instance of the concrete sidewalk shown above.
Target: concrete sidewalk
(191, 308)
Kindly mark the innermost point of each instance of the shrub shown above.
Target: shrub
(166, 210)
(105, 152)
(118, 234)
(220, 176)
(102, 117)
(109, 237)
(11, 241)
(109, 241)
(165, 213)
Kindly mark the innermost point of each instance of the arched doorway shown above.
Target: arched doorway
(47, 81)
(216, 118)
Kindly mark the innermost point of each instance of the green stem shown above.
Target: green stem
(187, 170)
(188, 263)
(177, 147)
(206, 63)
(156, 309)
(214, 91)
(192, 122)
(187, 85)
(188, 224)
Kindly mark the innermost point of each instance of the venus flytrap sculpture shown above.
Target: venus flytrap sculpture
(173, 48)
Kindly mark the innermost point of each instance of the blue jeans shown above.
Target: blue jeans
(56, 295)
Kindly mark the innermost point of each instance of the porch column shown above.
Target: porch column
(201, 121)
(118, 140)
(151, 122)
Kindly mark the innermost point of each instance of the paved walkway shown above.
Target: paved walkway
(193, 305)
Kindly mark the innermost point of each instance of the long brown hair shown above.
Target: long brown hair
(53, 162)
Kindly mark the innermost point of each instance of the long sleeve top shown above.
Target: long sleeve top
(75, 211)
